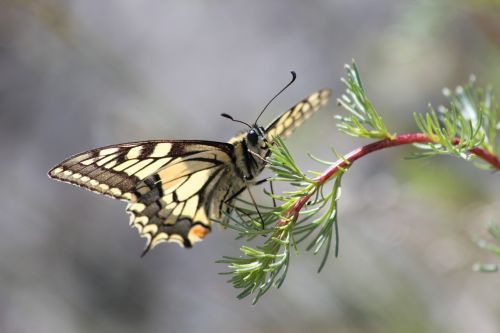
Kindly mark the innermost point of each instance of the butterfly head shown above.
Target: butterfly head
(256, 137)
(255, 148)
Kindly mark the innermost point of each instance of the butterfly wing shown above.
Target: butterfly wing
(171, 186)
(285, 124)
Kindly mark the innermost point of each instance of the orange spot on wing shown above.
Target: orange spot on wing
(197, 233)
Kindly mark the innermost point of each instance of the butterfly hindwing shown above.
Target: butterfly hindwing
(285, 124)
(169, 184)
(177, 203)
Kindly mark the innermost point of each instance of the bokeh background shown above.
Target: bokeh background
(81, 74)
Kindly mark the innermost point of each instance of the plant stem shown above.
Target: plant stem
(398, 140)
(401, 139)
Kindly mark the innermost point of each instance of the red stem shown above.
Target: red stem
(398, 140)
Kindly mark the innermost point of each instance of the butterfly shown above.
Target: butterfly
(176, 188)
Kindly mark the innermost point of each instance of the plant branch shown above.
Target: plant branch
(347, 160)
(467, 128)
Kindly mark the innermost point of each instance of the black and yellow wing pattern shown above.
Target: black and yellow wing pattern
(285, 124)
(169, 184)
(176, 188)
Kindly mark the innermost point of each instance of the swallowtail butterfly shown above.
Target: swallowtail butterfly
(175, 188)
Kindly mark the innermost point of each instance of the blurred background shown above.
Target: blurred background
(79, 74)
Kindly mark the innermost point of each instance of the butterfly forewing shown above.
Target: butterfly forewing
(111, 170)
(285, 124)
(169, 184)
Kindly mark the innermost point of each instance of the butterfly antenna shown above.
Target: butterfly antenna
(225, 115)
(294, 76)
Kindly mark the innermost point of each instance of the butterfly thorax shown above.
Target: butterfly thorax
(251, 150)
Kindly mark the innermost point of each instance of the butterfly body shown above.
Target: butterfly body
(176, 188)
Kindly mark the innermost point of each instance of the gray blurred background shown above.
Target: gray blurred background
(79, 74)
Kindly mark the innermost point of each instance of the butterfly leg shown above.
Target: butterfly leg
(262, 181)
(259, 157)
(237, 211)
(272, 193)
(256, 207)
(270, 185)
(244, 188)
(228, 201)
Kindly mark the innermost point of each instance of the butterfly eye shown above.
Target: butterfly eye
(252, 137)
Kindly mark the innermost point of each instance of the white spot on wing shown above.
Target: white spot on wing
(124, 165)
(170, 186)
(106, 159)
(191, 206)
(152, 168)
(298, 107)
(127, 196)
(115, 191)
(141, 220)
(314, 97)
(56, 171)
(177, 239)
(195, 182)
(89, 161)
(110, 164)
(160, 238)
(108, 151)
(150, 229)
(134, 152)
(133, 169)
(177, 210)
(136, 207)
(104, 187)
(161, 149)
(201, 216)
